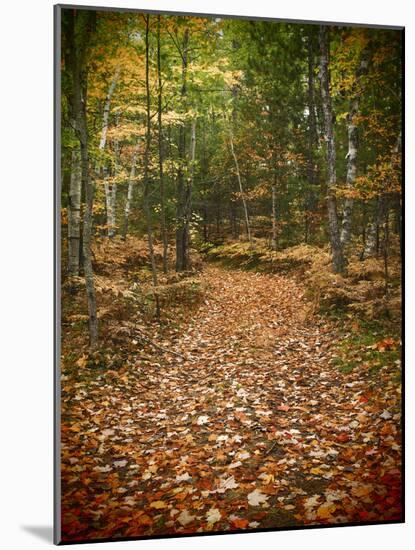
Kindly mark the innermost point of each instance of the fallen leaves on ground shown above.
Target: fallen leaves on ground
(251, 426)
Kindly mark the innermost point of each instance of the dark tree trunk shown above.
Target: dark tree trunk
(336, 248)
(81, 25)
(203, 176)
(397, 199)
(375, 228)
(161, 152)
(312, 140)
(189, 189)
(274, 211)
(181, 231)
(146, 200)
(386, 251)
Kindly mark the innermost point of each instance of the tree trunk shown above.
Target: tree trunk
(370, 241)
(81, 26)
(74, 215)
(397, 199)
(336, 248)
(87, 234)
(189, 189)
(352, 152)
(238, 174)
(164, 237)
(112, 213)
(274, 217)
(204, 170)
(110, 198)
(112, 195)
(373, 231)
(130, 191)
(109, 191)
(147, 208)
(386, 251)
(106, 112)
(181, 237)
(312, 140)
(205, 222)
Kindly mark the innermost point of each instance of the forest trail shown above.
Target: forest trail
(253, 428)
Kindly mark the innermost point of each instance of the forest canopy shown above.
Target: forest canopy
(194, 131)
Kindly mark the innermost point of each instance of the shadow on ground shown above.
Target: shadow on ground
(43, 532)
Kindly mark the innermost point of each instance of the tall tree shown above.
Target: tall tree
(74, 213)
(164, 235)
(336, 247)
(182, 239)
(110, 190)
(241, 189)
(147, 208)
(310, 201)
(130, 191)
(80, 26)
(352, 134)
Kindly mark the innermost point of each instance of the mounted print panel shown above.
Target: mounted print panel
(229, 253)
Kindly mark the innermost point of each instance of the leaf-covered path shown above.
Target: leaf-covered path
(253, 428)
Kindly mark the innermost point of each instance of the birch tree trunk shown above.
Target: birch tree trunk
(146, 174)
(74, 215)
(130, 191)
(241, 190)
(381, 218)
(107, 106)
(109, 193)
(112, 195)
(161, 152)
(352, 134)
(108, 203)
(370, 241)
(111, 213)
(374, 229)
(336, 248)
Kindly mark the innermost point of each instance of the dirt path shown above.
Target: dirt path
(255, 428)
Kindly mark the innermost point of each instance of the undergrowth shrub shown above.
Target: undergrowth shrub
(362, 290)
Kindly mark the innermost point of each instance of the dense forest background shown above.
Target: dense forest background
(235, 186)
(194, 132)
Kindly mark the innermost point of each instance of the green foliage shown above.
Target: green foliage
(368, 346)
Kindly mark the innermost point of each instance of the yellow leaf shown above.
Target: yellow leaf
(82, 361)
(362, 491)
(316, 471)
(158, 504)
(325, 511)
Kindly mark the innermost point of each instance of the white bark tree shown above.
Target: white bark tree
(74, 214)
(352, 134)
(110, 189)
(130, 192)
(241, 190)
